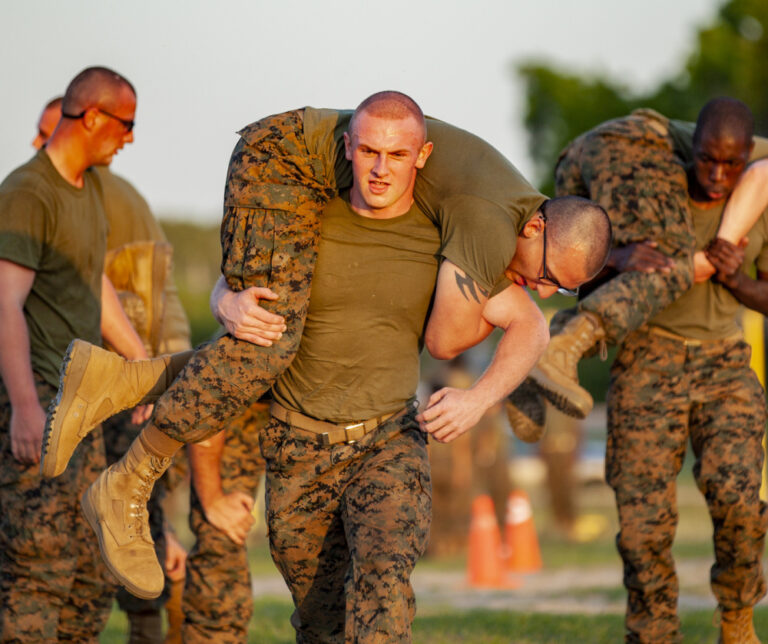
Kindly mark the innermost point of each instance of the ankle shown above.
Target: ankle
(158, 442)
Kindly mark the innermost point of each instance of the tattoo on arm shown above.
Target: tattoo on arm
(466, 282)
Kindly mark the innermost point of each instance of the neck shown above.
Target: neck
(68, 158)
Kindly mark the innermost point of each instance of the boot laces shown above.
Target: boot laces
(138, 513)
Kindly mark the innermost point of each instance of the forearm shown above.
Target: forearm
(516, 354)
(751, 293)
(116, 329)
(205, 467)
(176, 332)
(15, 364)
(747, 202)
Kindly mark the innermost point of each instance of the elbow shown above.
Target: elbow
(440, 349)
(443, 353)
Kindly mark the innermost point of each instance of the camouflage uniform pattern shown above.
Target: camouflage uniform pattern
(218, 600)
(629, 167)
(53, 584)
(662, 393)
(274, 193)
(347, 524)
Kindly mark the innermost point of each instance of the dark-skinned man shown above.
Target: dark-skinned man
(686, 375)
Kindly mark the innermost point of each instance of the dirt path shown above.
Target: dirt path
(591, 590)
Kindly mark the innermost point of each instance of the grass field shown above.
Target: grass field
(577, 598)
(270, 626)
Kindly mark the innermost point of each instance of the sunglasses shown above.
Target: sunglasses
(128, 125)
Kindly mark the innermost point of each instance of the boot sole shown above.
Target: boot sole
(93, 520)
(526, 411)
(571, 402)
(70, 376)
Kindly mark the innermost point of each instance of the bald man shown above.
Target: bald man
(686, 376)
(53, 585)
(268, 246)
(138, 256)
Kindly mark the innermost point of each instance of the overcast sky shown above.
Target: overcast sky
(205, 69)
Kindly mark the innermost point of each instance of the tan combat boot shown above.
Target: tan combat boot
(736, 627)
(95, 384)
(526, 411)
(116, 508)
(556, 375)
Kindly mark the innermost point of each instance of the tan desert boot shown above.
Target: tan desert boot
(95, 384)
(139, 271)
(116, 508)
(556, 372)
(526, 411)
(736, 627)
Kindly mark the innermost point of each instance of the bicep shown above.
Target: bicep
(456, 322)
(15, 282)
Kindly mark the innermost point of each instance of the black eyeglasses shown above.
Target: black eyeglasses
(128, 125)
(545, 279)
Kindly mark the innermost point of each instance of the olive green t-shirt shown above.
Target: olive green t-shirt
(474, 195)
(373, 283)
(58, 231)
(708, 311)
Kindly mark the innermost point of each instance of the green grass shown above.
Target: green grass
(270, 625)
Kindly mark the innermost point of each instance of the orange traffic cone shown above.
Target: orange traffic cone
(484, 562)
(522, 544)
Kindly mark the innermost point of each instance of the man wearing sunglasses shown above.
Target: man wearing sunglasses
(137, 257)
(53, 585)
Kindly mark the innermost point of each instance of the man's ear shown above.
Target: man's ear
(347, 146)
(533, 227)
(424, 153)
(89, 118)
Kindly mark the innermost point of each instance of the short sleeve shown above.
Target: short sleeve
(478, 237)
(23, 224)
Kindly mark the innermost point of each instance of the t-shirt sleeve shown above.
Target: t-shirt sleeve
(479, 237)
(760, 151)
(23, 223)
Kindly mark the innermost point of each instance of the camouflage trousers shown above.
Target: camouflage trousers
(628, 166)
(347, 524)
(662, 394)
(119, 432)
(53, 584)
(218, 599)
(274, 193)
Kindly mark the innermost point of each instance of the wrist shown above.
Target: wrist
(25, 402)
(209, 498)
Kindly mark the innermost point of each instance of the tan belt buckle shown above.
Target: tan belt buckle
(351, 441)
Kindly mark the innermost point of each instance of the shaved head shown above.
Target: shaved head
(95, 87)
(391, 105)
(46, 124)
(581, 224)
(725, 117)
